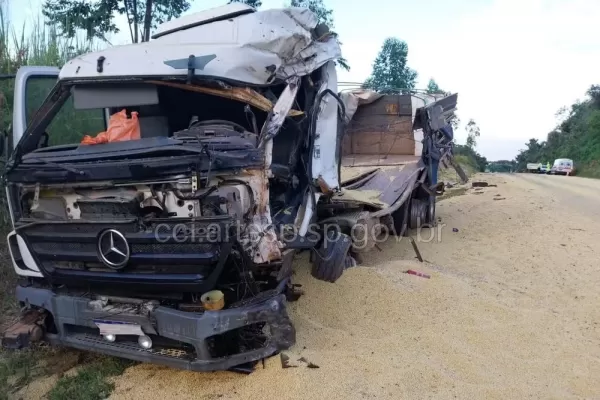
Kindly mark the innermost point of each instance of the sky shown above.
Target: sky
(513, 63)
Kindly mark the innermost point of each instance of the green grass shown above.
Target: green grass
(91, 382)
(17, 369)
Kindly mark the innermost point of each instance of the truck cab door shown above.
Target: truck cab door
(32, 85)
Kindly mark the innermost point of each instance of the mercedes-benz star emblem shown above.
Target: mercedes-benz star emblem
(113, 249)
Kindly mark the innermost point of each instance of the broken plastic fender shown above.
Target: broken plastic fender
(120, 129)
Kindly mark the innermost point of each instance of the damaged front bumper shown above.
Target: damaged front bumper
(183, 340)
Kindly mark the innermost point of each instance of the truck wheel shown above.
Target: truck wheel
(431, 211)
(329, 262)
(400, 218)
(418, 213)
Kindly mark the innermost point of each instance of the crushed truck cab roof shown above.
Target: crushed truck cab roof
(232, 42)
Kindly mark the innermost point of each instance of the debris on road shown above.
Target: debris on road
(245, 369)
(479, 184)
(417, 273)
(308, 363)
(285, 361)
(416, 249)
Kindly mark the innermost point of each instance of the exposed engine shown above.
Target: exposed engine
(176, 198)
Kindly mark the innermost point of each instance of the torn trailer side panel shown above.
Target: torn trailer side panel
(379, 160)
(385, 186)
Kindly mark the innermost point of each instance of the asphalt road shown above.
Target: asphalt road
(580, 195)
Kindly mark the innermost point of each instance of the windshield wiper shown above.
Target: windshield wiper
(52, 164)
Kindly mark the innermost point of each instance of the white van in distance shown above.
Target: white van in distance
(562, 166)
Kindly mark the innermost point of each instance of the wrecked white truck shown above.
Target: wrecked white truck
(176, 247)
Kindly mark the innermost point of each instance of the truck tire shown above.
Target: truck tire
(329, 262)
(418, 213)
(400, 218)
(431, 211)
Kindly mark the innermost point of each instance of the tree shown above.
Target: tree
(324, 16)
(576, 136)
(390, 70)
(96, 17)
(473, 133)
(433, 88)
(252, 3)
(454, 121)
(594, 93)
(535, 153)
(473, 158)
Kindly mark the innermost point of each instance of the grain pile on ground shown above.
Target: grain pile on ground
(508, 313)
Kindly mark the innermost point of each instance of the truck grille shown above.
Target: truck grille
(70, 251)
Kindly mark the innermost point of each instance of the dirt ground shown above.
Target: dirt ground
(512, 310)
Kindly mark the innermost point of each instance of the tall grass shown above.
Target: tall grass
(38, 44)
(27, 45)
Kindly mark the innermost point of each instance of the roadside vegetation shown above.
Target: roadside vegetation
(17, 369)
(73, 374)
(576, 136)
(34, 44)
(90, 382)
